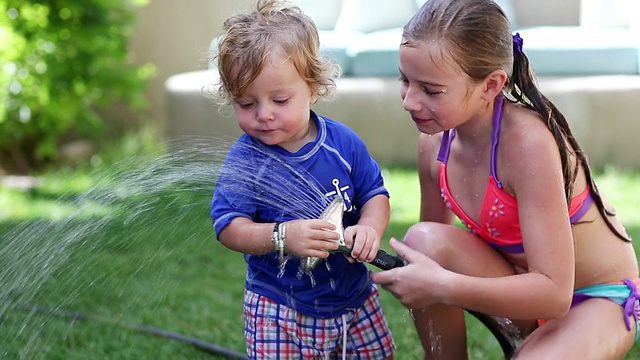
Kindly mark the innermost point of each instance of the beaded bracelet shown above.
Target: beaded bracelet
(277, 238)
(281, 239)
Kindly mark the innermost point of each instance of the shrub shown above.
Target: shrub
(62, 61)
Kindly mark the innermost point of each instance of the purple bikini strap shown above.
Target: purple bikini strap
(582, 210)
(447, 137)
(497, 117)
(445, 145)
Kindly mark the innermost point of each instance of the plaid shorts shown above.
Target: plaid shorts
(275, 331)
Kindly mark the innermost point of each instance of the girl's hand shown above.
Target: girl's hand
(415, 285)
(364, 242)
(312, 238)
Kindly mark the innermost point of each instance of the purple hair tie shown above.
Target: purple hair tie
(517, 45)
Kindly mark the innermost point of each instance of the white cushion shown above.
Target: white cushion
(324, 13)
(368, 16)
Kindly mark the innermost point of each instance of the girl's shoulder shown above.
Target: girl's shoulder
(523, 132)
(526, 149)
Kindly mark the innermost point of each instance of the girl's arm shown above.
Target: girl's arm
(423, 283)
(537, 182)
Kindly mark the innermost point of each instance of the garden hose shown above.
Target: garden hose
(200, 344)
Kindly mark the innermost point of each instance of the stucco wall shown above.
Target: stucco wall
(547, 12)
(175, 35)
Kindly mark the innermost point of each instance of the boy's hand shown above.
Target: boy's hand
(310, 238)
(364, 242)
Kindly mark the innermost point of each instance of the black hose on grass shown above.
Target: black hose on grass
(506, 341)
(200, 344)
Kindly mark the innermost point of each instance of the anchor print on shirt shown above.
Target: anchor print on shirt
(343, 192)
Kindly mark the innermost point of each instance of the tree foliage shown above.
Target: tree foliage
(61, 61)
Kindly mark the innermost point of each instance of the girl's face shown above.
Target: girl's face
(437, 94)
(275, 107)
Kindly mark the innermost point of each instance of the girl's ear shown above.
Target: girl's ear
(493, 84)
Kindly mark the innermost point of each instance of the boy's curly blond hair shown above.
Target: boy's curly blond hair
(250, 38)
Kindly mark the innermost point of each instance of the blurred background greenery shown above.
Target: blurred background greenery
(107, 223)
(65, 67)
(75, 75)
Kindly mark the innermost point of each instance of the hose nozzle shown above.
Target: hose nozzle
(333, 213)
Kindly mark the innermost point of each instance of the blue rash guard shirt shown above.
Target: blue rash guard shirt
(268, 184)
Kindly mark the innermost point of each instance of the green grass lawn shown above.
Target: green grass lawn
(130, 245)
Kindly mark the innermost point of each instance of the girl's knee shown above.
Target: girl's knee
(456, 249)
(431, 239)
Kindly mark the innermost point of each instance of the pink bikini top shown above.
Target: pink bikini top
(499, 225)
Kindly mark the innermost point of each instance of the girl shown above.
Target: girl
(542, 245)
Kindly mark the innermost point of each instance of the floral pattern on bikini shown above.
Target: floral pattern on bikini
(469, 227)
(445, 198)
(497, 210)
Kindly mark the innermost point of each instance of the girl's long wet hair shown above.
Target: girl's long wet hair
(477, 36)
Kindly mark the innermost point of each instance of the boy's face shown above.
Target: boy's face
(275, 106)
